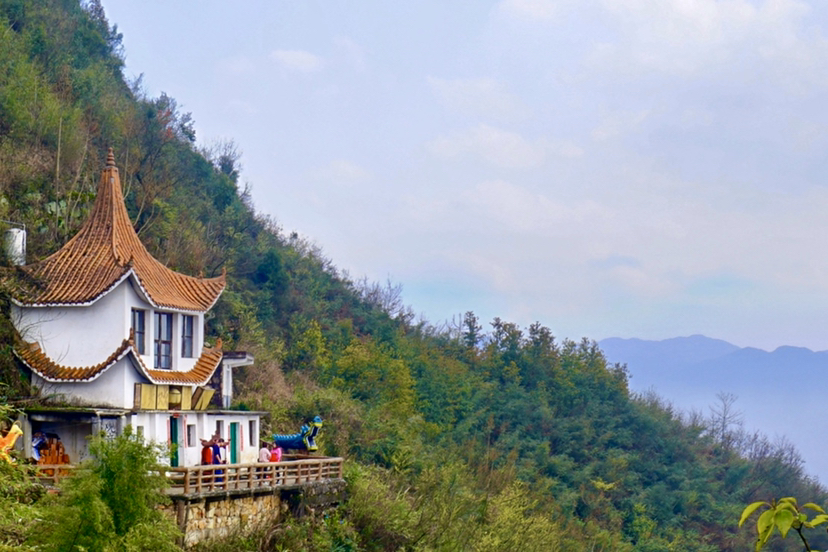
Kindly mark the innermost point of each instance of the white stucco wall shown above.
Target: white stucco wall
(77, 336)
(74, 437)
(85, 336)
(73, 427)
(115, 388)
(155, 426)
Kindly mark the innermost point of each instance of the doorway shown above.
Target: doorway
(234, 443)
(174, 442)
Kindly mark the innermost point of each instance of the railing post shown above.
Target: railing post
(187, 481)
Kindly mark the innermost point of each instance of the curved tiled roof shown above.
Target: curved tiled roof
(104, 252)
(34, 357)
(198, 375)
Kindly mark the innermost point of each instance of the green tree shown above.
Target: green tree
(112, 502)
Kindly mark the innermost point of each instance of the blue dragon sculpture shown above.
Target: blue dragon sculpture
(304, 440)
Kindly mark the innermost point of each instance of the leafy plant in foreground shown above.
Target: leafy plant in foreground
(783, 515)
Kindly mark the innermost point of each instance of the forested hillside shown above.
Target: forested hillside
(464, 436)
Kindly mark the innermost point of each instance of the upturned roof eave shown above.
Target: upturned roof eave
(87, 303)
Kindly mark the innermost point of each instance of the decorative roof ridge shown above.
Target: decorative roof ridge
(111, 189)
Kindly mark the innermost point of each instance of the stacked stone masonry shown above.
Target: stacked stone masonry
(205, 517)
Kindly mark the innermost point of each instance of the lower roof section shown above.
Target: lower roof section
(36, 359)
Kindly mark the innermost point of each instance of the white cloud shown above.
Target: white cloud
(495, 271)
(617, 124)
(501, 148)
(644, 282)
(684, 38)
(515, 208)
(687, 38)
(297, 60)
(484, 97)
(567, 149)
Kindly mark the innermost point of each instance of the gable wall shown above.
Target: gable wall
(77, 336)
(86, 336)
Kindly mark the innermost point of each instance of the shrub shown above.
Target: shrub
(111, 503)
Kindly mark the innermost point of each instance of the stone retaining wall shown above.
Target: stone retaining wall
(207, 516)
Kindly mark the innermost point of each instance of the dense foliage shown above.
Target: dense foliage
(457, 438)
(111, 504)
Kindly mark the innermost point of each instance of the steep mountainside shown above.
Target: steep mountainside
(458, 438)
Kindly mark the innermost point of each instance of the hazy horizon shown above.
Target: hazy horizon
(646, 168)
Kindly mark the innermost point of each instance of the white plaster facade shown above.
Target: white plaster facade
(86, 335)
(241, 429)
(75, 426)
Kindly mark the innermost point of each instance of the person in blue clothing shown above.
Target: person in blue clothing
(217, 444)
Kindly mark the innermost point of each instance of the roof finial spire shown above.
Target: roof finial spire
(110, 158)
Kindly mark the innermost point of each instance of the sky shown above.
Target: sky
(629, 168)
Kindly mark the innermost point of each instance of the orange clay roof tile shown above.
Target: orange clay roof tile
(198, 375)
(106, 250)
(32, 355)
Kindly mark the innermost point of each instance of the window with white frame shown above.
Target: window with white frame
(139, 329)
(187, 323)
(163, 340)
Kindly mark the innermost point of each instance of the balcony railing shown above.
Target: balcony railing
(195, 480)
(231, 477)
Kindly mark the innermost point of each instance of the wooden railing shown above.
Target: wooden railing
(51, 474)
(229, 477)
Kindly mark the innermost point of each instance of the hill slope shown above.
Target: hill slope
(459, 438)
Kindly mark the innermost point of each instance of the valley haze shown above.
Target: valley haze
(779, 392)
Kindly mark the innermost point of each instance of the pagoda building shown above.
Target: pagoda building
(117, 338)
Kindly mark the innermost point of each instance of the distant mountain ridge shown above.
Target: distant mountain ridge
(699, 361)
(680, 351)
(775, 389)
